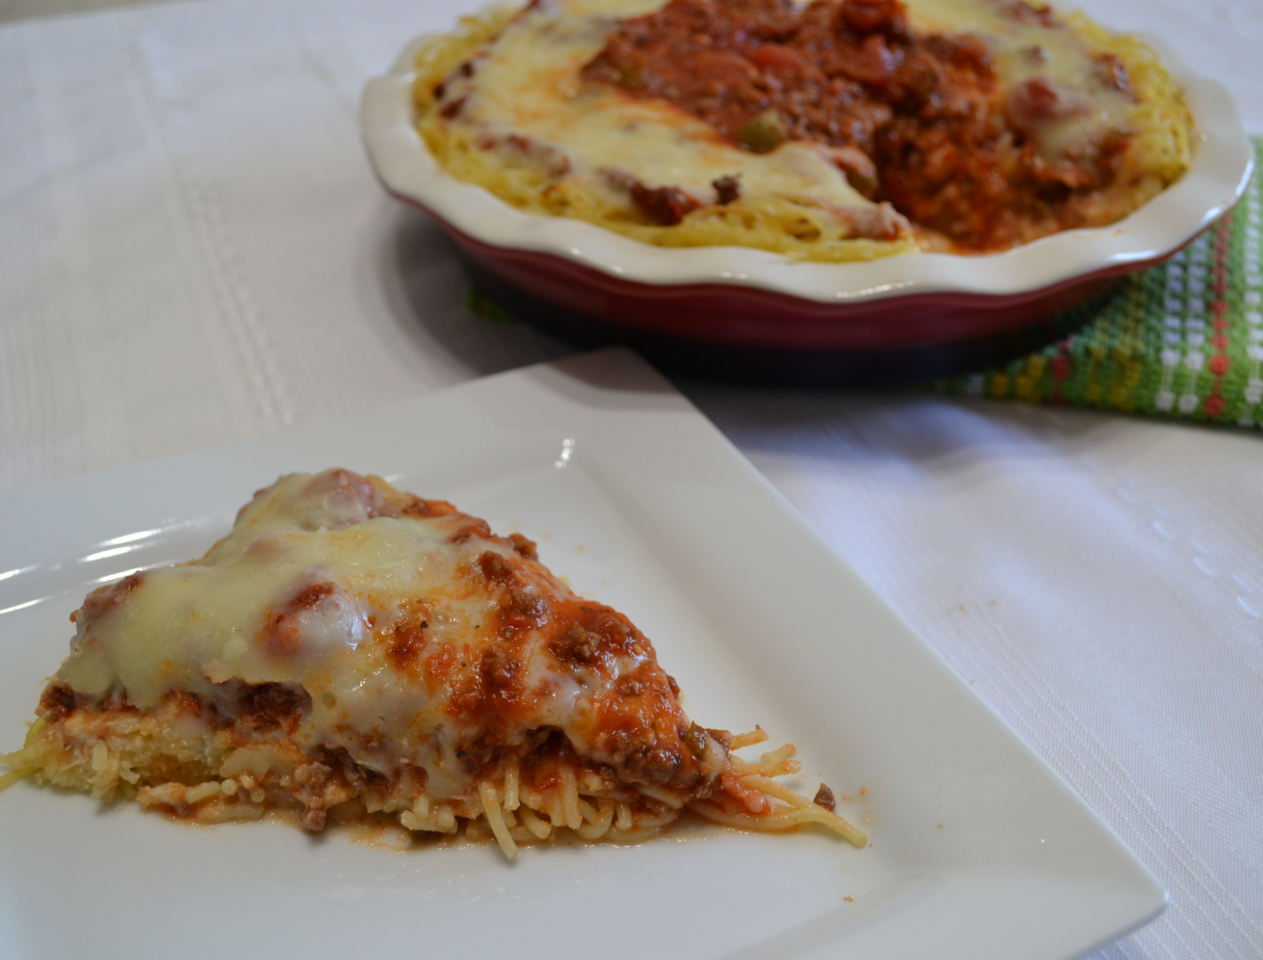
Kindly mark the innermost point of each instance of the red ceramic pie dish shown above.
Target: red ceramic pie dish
(759, 301)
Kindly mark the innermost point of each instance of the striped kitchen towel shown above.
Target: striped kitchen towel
(1184, 339)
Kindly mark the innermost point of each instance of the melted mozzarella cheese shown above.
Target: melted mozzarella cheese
(1024, 49)
(308, 590)
(526, 96)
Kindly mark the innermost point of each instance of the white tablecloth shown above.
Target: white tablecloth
(193, 250)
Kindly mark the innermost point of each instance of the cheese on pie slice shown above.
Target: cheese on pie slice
(350, 651)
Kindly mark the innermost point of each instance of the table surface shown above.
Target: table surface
(193, 250)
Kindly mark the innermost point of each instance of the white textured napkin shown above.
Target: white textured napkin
(193, 250)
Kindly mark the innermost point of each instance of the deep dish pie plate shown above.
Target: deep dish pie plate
(571, 272)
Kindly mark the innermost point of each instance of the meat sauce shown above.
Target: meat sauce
(919, 119)
(636, 721)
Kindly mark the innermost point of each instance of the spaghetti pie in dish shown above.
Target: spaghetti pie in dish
(353, 653)
(832, 130)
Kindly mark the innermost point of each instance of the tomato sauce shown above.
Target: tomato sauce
(918, 119)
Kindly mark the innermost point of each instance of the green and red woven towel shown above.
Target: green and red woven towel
(1184, 339)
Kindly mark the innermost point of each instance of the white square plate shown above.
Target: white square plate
(978, 850)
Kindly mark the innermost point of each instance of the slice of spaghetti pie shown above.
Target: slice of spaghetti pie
(350, 651)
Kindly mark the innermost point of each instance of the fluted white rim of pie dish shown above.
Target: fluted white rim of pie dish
(1222, 163)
